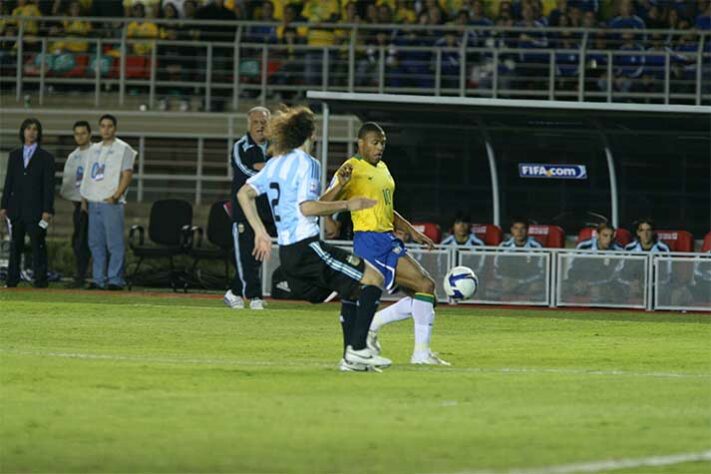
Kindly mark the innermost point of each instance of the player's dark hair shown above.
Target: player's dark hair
(645, 220)
(289, 128)
(520, 220)
(82, 123)
(369, 127)
(26, 123)
(109, 117)
(462, 217)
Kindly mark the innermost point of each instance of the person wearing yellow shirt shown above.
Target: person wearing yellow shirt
(26, 9)
(404, 12)
(141, 29)
(280, 7)
(317, 12)
(367, 175)
(73, 28)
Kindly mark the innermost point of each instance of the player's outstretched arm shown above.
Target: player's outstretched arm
(320, 208)
(404, 225)
(343, 175)
(262, 242)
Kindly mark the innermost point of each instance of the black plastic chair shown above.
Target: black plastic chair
(219, 235)
(168, 229)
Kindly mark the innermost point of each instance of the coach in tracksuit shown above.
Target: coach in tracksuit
(28, 202)
(249, 155)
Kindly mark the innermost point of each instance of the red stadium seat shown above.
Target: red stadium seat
(430, 229)
(491, 234)
(622, 236)
(550, 236)
(138, 67)
(677, 240)
(706, 247)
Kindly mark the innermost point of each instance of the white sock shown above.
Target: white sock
(424, 316)
(398, 311)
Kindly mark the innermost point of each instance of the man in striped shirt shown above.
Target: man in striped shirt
(292, 182)
(462, 235)
(519, 275)
(594, 276)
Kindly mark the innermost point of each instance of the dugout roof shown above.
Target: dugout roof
(462, 112)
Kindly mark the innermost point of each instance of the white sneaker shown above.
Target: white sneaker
(372, 342)
(233, 301)
(366, 357)
(345, 366)
(257, 303)
(428, 358)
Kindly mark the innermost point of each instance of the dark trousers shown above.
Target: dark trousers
(39, 251)
(246, 282)
(80, 242)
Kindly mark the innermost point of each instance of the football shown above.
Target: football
(461, 283)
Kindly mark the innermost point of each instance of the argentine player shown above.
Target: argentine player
(367, 175)
(291, 180)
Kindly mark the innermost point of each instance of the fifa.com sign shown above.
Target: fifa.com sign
(535, 170)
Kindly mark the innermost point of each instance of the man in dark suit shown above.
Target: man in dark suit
(28, 201)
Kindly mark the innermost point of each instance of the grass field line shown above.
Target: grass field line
(305, 364)
(607, 465)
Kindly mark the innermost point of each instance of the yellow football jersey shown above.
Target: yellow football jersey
(374, 182)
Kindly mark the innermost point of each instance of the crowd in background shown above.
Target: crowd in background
(289, 24)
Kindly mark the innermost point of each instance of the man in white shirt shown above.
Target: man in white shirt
(109, 170)
(72, 177)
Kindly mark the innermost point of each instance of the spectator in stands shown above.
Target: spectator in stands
(291, 72)
(24, 9)
(108, 10)
(221, 56)
(291, 15)
(703, 20)
(450, 59)
(462, 235)
(280, 7)
(109, 171)
(367, 68)
(371, 14)
(73, 174)
(626, 18)
(141, 29)
(318, 12)
(531, 69)
(404, 12)
(249, 155)
(519, 275)
(560, 11)
(150, 7)
(646, 239)
(385, 15)
(173, 60)
(264, 34)
(74, 28)
(27, 204)
(628, 67)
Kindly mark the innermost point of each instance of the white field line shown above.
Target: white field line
(307, 363)
(607, 465)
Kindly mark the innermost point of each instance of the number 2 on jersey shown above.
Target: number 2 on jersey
(275, 201)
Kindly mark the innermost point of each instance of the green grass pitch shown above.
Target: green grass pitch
(138, 383)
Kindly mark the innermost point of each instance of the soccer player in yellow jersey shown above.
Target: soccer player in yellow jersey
(367, 175)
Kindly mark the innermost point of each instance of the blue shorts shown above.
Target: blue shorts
(382, 250)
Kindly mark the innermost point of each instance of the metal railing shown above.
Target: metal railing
(577, 64)
(564, 278)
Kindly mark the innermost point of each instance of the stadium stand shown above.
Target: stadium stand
(550, 236)
(706, 246)
(677, 240)
(491, 234)
(430, 229)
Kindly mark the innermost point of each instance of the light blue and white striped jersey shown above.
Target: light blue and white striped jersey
(288, 180)
(530, 243)
(592, 245)
(636, 246)
(472, 241)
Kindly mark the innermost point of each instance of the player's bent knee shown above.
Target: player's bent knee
(372, 277)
